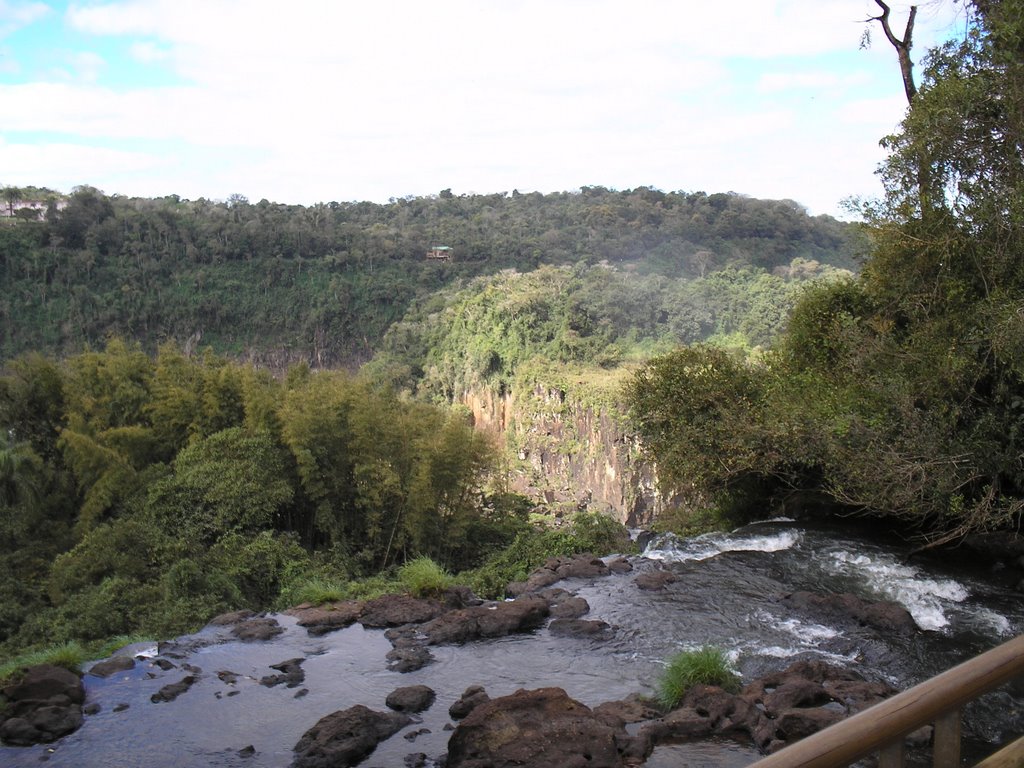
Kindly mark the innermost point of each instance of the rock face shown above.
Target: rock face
(346, 737)
(607, 468)
(41, 707)
(536, 729)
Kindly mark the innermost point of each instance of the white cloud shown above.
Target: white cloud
(327, 100)
(147, 52)
(86, 66)
(15, 14)
(65, 165)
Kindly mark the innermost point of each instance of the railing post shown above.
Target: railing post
(946, 742)
(891, 756)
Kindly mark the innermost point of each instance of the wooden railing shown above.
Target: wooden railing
(883, 727)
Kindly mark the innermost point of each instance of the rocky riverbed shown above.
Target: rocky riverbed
(556, 674)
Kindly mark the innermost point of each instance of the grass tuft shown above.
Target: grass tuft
(423, 577)
(707, 665)
(316, 591)
(69, 655)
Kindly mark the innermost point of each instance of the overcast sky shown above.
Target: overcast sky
(318, 100)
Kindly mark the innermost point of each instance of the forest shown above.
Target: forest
(184, 429)
(280, 284)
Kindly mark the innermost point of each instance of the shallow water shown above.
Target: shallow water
(726, 594)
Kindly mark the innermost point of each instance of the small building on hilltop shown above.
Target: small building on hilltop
(440, 253)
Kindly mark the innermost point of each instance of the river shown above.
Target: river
(726, 594)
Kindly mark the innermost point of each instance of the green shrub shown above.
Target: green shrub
(706, 665)
(423, 577)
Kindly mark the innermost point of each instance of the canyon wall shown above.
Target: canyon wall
(566, 453)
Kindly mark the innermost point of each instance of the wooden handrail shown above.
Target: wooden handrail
(887, 723)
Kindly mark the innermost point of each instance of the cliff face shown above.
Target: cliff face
(568, 452)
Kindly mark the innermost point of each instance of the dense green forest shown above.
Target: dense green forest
(899, 393)
(149, 493)
(149, 477)
(281, 284)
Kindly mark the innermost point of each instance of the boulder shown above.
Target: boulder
(408, 659)
(257, 630)
(321, 619)
(292, 674)
(535, 729)
(471, 698)
(654, 581)
(44, 705)
(345, 738)
(496, 620)
(396, 610)
(112, 666)
(579, 628)
(412, 698)
(173, 690)
(884, 615)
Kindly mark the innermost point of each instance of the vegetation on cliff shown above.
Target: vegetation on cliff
(900, 392)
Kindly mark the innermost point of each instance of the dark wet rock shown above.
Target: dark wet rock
(248, 751)
(397, 610)
(460, 597)
(772, 711)
(300, 693)
(570, 607)
(321, 619)
(234, 617)
(112, 666)
(92, 709)
(164, 664)
(44, 681)
(44, 705)
(633, 709)
(558, 568)
(292, 675)
(411, 698)
(173, 690)
(794, 724)
(682, 723)
(796, 693)
(227, 677)
(654, 581)
(257, 630)
(346, 738)
(884, 615)
(620, 565)
(417, 760)
(408, 659)
(413, 735)
(535, 729)
(579, 628)
(471, 698)
(121, 707)
(496, 620)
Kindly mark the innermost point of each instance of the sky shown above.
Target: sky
(332, 100)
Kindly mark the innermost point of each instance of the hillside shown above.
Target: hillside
(322, 284)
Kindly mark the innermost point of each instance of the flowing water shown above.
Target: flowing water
(727, 594)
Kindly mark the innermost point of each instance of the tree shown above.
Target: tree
(20, 482)
(11, 195)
